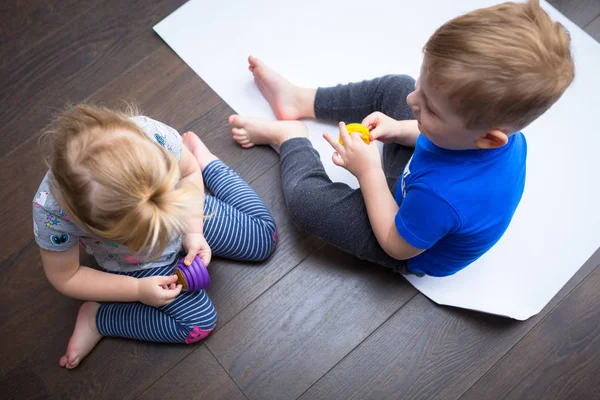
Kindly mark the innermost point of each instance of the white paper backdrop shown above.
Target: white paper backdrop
(326, 42)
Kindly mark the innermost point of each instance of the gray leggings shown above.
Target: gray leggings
(333, 211)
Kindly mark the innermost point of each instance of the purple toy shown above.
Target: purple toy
(193, 278)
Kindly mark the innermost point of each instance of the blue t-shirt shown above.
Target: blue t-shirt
(457, 204)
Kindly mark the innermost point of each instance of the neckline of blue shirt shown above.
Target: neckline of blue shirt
(479, 154)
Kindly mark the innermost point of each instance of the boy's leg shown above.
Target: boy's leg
(348, 103)
(332, 211)
(238, 224)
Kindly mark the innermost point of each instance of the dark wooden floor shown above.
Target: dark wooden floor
(310, 323)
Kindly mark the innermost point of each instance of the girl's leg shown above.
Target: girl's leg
(191, 317)
(238, 224)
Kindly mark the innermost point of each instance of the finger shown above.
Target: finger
(338, 160)
(357, 138)
(167, 280)
(371, 121)
(171, 294)
(334, 143)
(189, 259)
(205, 258)
(344, 134)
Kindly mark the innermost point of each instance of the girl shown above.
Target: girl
(126, 190)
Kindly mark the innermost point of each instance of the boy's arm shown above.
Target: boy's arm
(382, 209)
(71, 279)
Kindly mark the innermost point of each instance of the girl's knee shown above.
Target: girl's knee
(198, 334)
(266, 243)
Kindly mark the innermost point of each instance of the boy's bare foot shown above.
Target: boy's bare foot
(254, 131)
(288, 101)
(198, 149)
(85, 336)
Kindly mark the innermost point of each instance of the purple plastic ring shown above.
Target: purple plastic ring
(193, 277)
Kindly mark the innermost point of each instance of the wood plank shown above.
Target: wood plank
(582, 12)
(25, 23)
(22, 383)
(558, 359)
(75, 62)
(35, 313)
(593, 28)
(429, 352)
(199, 376)
(306, 323)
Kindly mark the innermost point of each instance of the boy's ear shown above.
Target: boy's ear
(492, 139)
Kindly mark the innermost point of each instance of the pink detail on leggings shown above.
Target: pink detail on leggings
(197, 334)
(275, 235)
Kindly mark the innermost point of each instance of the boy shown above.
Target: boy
(435, 209)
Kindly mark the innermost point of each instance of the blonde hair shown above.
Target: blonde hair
(500, 66)
(115, 182)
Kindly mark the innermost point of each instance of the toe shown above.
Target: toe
(239, 132)
(63, 361)
(234, 119)
(73, 363)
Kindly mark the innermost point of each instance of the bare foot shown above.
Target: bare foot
(254, 131)
(85, 336)
(288, 101)
(198, 149)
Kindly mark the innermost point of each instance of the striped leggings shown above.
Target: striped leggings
(239, 227)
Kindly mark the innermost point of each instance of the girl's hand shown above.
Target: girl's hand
(196, 244)
(356, 156)
(158, 291)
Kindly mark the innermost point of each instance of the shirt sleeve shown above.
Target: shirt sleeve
(53, 230)
(161, 133)
(425, 217)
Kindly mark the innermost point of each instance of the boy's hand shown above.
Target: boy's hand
(356, 156)
(383, 128)
(158, 291)
(196, 244)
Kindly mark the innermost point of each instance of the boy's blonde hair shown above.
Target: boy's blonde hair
(501, 66)
(115, 182)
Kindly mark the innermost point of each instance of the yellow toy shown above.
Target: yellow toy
(363, 130)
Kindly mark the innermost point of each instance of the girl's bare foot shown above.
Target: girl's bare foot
(85, 336)
(288, 101)
(198, 149)
(252, 131)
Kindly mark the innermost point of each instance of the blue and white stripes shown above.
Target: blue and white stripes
(171, 323)
(239, 227)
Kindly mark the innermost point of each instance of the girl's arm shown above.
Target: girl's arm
(193, 238)
(71, 279)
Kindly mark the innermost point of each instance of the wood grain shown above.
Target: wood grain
(306, 323)
(199, 376)
(593, 28)
(22, 383)
(582, 12)
(23, 24)
(429, 352)
(76, 61)
(558, 359)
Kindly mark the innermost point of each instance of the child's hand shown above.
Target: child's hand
(356, 156)
(196, 244)
(383, 128)
(158, 291)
